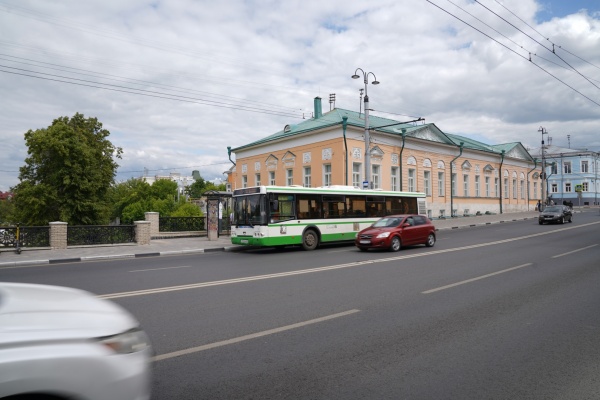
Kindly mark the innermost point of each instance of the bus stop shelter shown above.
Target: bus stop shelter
(218, 211)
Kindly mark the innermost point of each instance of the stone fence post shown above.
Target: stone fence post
(142, 232)
(58, 235)
(152, 217)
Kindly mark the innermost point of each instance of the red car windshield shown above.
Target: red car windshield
(387, 223)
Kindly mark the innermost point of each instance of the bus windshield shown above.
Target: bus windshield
(250, 210)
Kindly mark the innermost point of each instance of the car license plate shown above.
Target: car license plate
(365, 242)
(244, 241)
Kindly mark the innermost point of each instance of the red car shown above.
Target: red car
(394, 231)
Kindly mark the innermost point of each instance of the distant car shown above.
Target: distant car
(556, 214)
(60, 343)
(395, 231)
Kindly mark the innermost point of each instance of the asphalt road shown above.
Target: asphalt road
(506, 311)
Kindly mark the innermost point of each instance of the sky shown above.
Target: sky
(176, 82)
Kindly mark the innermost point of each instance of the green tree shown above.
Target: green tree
(196, 189)
(187, 210)
(132, 199)
(67, 174)
(126, 193)
(6, 212)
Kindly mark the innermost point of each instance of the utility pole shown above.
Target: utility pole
(543, 131)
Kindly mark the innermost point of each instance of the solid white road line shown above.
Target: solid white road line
(250, 336)
(475, 279)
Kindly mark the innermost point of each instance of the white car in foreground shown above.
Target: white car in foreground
(61, 343)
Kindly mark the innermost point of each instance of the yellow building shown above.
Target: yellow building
(454, 172)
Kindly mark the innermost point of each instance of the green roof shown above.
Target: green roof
(333, 118)
(379, 124)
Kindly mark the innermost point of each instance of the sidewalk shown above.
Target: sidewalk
(162, 247)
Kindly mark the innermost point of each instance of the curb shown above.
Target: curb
(482, 224)
(29, 263)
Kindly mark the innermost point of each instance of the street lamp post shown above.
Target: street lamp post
(367, 182)
(544, 178)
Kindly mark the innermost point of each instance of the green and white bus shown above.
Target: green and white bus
(293, 215)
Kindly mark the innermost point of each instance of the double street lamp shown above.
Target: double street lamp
(367, 184)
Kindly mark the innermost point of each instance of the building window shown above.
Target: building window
(466, 185)
(307, 180)
(272, 178)
(514, 182)
(375, 176)
(506, 188)
(535, 191)
(244, 181)
(487, 186)
(411, 180)
(289, 175)
(567, 167)
(584, 186)
(427, 182)
(441, 184)
(568, 187)
(394, 182)
(477, 189)
(522, 189)
(453, 184)
(326, 174)
(496, 192)
(585, 167)
(554, 168)
(554, 188)
(257, 179)
(356, 180)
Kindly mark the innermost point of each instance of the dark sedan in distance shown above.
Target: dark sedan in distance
(556, 214)
(394, 231)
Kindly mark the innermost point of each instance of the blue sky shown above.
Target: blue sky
(561, 8)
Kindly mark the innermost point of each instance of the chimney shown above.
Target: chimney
(318, 108)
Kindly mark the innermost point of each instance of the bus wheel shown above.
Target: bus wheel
(310, 240)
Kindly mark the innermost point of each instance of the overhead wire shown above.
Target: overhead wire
(127, 80)
(512, 41)
(541, 44)
(513, 51)
(548, 39)
(148, 93)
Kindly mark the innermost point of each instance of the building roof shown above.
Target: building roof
(426, 131)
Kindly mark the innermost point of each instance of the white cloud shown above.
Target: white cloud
(275, 57)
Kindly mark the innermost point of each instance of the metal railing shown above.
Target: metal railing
(181, 224)
(100, 234)
(29, 236)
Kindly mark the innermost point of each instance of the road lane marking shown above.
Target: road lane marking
(574, 251)
(326, 268)
(229, 281)
(475, 279)
(250, 336)
(159, 269)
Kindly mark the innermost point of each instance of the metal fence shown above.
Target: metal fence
(29, 236)
(181, 224)
(100, 234)
(189, 224)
